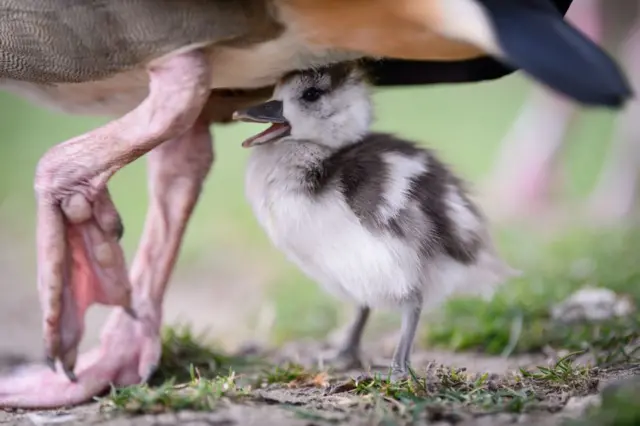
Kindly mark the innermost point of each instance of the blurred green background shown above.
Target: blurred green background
(227, 267)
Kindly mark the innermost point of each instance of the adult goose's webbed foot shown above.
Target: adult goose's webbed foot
(79, 259)
(80, 263)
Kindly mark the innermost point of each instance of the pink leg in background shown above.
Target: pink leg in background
(527, 166)
(616, 192)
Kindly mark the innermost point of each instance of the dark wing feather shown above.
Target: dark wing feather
(360, 173)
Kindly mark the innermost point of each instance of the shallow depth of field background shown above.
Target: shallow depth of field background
(229, 280)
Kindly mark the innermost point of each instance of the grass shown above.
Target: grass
(453, 387)
(442, 393)
(560, 268)
(289, 373)
(564, 375)
(197, 395)
(192, 375)
(447, 388)
(184, 353)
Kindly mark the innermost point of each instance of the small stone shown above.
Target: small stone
(188, 415)
(592, 304)
(576, 406)
(506, 418)
(627, 384)
(51, 418)
(166, 419)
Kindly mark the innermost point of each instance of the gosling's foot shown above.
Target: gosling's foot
(399, 375)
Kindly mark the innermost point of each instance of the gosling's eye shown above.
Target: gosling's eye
(312, 94)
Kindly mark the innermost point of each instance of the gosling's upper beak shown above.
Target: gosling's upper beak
(268, 112)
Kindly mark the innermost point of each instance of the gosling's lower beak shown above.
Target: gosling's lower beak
(268, 112)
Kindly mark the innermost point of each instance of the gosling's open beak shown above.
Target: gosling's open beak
(268, 112)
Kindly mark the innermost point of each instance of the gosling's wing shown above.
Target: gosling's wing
(395, 187)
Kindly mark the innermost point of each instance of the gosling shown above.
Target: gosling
(374, 219)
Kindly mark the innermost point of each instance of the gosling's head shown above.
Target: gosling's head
(329, 106)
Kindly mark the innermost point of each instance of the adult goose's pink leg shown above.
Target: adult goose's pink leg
(616, 194)
(79, 259)
(528, 166)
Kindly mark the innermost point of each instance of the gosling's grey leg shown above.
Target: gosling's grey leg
(348, 355)
(400, 363)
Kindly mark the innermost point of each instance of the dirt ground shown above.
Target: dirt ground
(314, 406)
(272, 412)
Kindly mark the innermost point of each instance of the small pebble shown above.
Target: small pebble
(577, 405)
(592, 304)
(39, 419)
